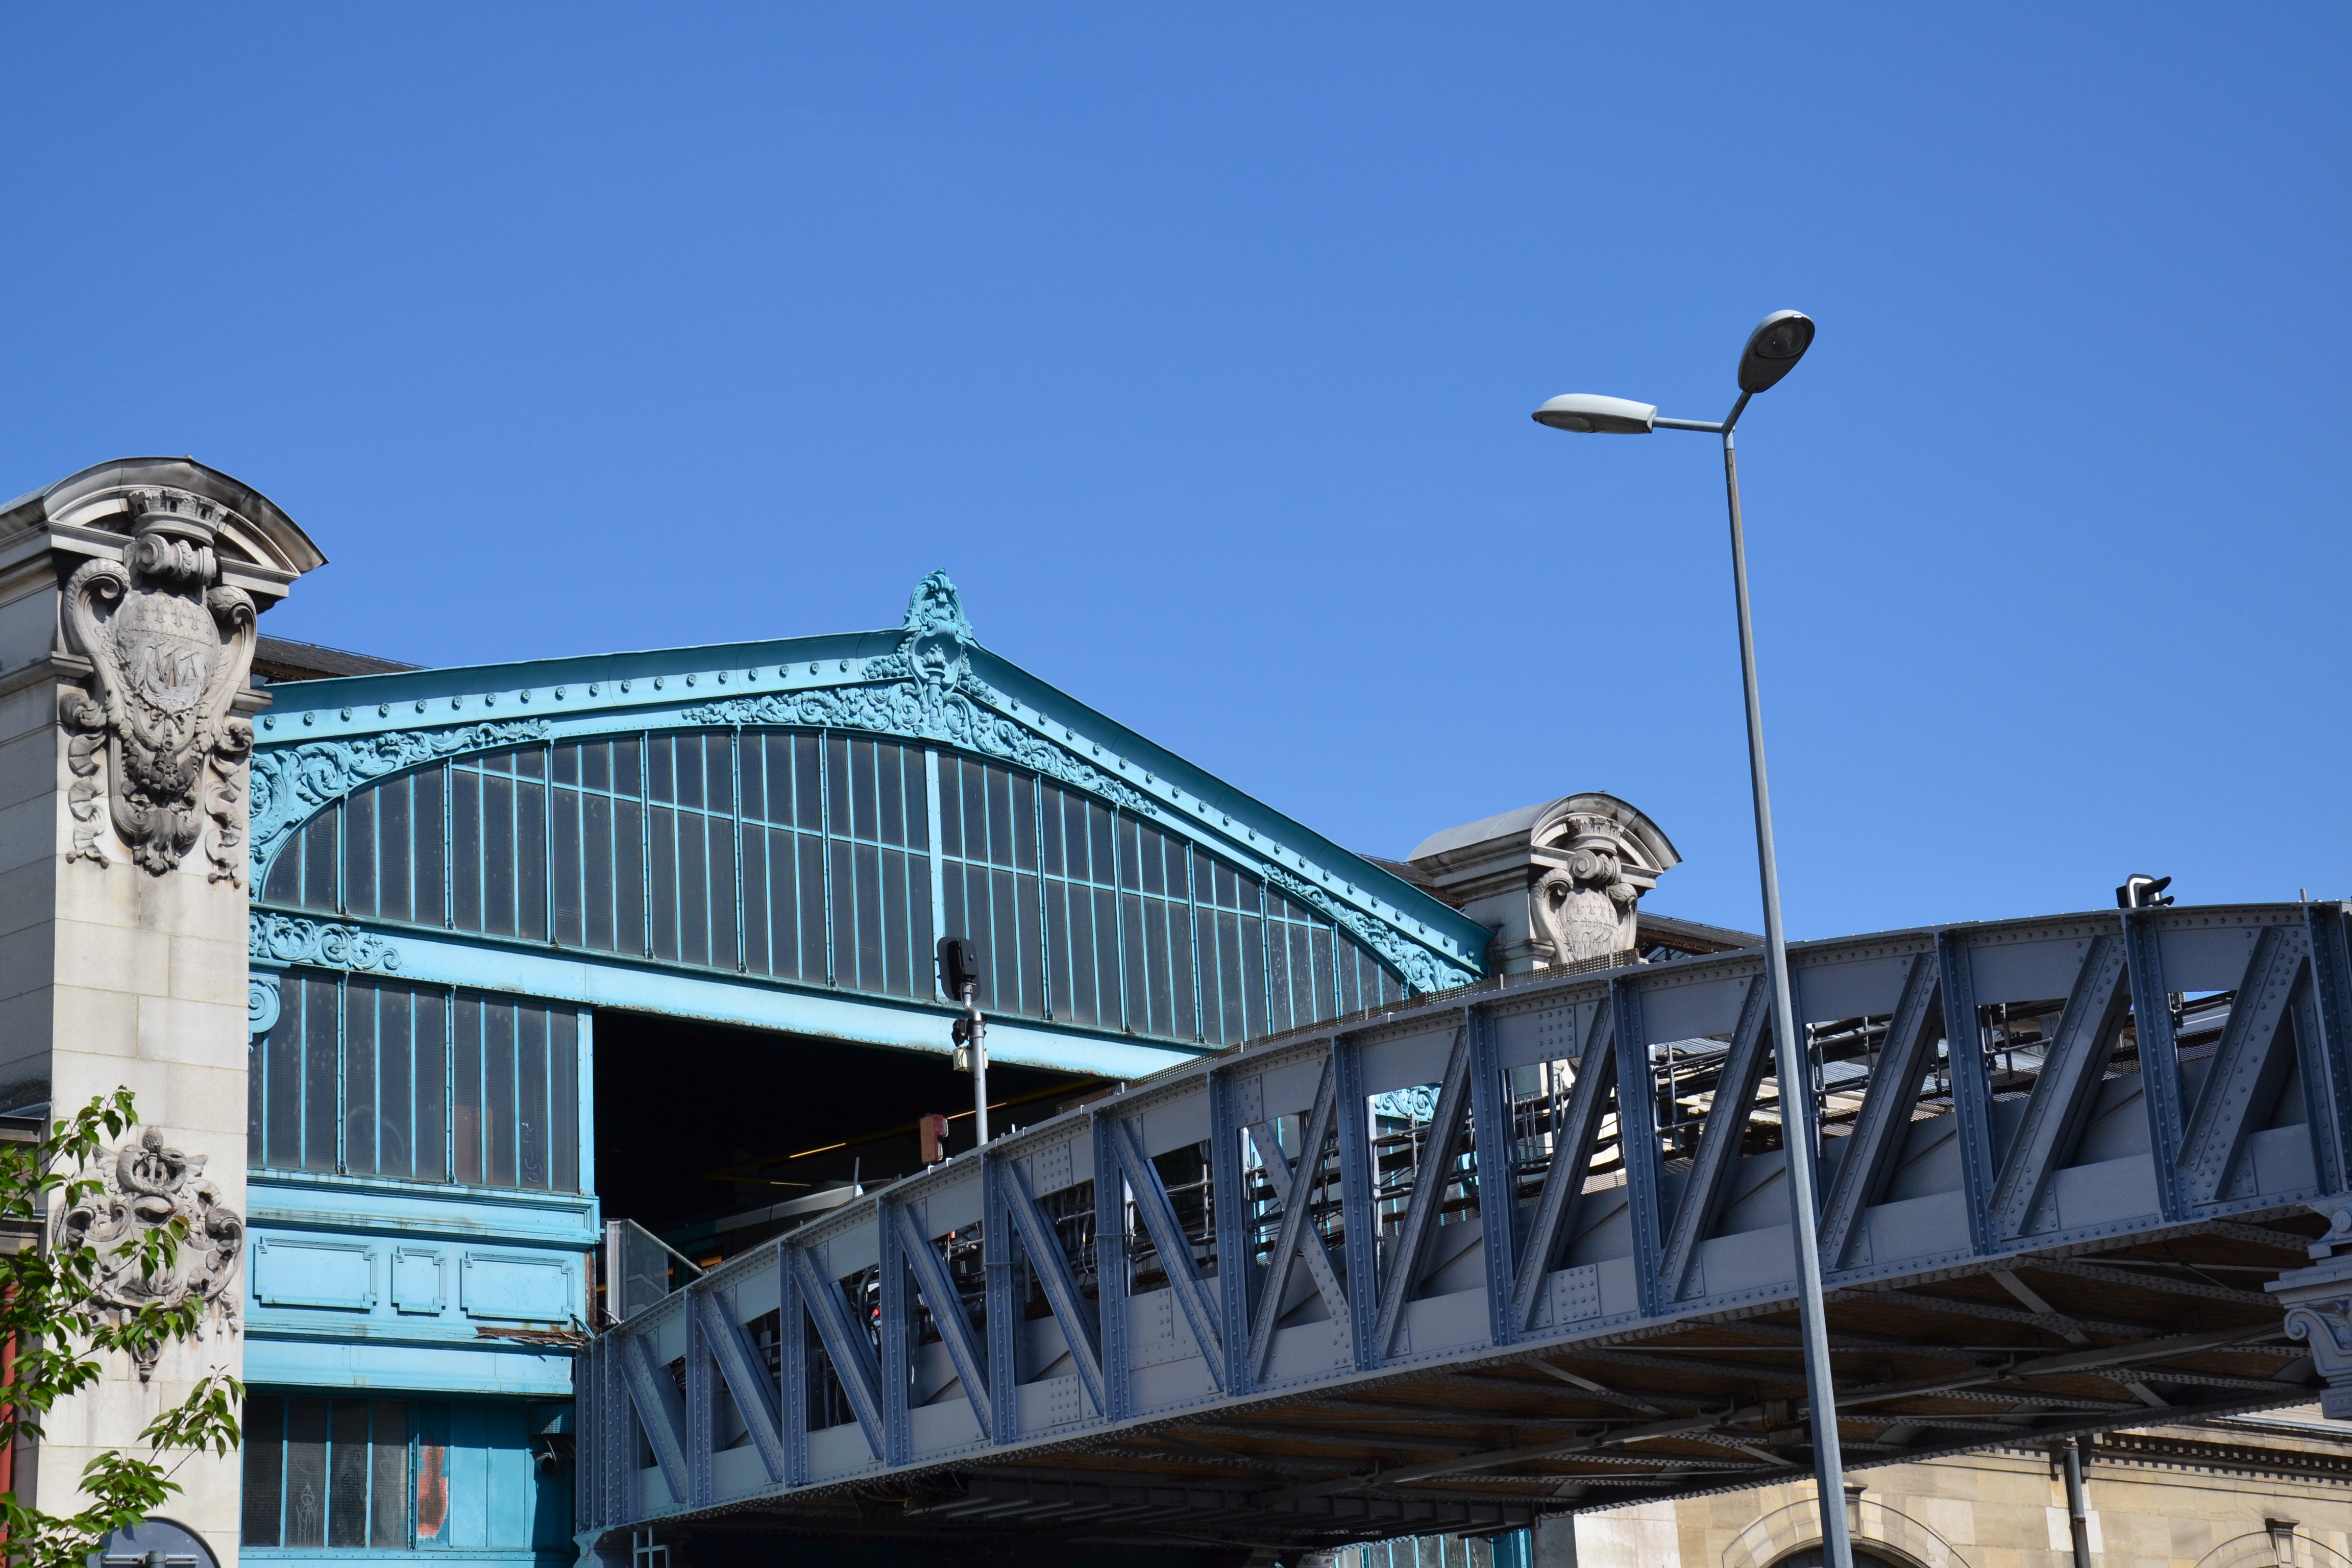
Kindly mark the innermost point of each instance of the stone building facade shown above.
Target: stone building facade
(2273, 1490)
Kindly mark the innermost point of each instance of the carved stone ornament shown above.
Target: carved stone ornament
(1587, 904)
(147, 1182)
(2318, 1302)
(169, 647)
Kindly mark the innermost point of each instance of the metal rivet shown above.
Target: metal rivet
(625, 686)
(526, 694)
(309, 717)
(657, 683)
(722, 677)
(591, 688)
(812, 666)
(559, 694)
(383, 710)
(269, 722)
(347, 712)
(420, 705)
(690, 680)
(490, 698)
(456, 702)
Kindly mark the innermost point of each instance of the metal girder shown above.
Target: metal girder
(1971, 1090)
(1637, 1138)
(661, 1412)
(1292, 1189)
(747, 1381)
(1053, 1271)
(1430, 1179)
(2248, 1068)
(1571, 1159)
(1608, 1283)
(2063, 1092)
(853, 1358)
(1719, 1140)
(1167, 1239)
(1868, 1162)
(938, 1293)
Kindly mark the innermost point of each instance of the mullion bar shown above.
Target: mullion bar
(735, 767)
(645, 841)
(824, 741)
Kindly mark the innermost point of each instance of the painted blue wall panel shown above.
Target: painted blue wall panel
(486, 1366)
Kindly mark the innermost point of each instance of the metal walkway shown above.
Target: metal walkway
(1525, 1248)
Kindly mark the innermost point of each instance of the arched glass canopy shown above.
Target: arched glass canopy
(828, 857)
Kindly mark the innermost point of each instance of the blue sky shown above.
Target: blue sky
(1198, 344)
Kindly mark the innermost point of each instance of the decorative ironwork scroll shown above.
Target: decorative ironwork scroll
(289, 785)
(290, 938)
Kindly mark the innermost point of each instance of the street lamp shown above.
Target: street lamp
(1773, 349)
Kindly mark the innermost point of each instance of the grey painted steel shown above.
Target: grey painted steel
(1258, 1324)
(1795, 1069)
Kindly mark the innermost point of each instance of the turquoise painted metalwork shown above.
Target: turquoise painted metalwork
(929, 680)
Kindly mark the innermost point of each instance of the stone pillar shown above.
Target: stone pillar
(128, 599)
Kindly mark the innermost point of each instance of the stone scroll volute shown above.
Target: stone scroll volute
(169, 647)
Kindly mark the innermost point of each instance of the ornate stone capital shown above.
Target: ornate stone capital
(2318, 1302)
(169, 647)
(147, 1184)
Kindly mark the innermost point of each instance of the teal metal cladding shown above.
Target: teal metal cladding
(832, 858)
(449, 1478)
(366, 1075)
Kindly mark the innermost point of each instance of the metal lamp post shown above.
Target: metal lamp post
(1778, 342)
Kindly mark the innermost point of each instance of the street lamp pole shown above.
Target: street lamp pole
(1773, 350)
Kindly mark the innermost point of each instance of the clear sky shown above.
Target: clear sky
(1198, 344)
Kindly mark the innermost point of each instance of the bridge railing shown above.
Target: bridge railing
(1490, 1172)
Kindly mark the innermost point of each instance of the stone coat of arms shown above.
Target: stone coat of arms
(147, 1185)
(169, 647)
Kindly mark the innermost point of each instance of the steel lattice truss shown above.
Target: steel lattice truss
(1525, 1248)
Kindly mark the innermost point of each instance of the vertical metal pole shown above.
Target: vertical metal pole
(977, 1042)
(1795, 1085)
(2078, 1514)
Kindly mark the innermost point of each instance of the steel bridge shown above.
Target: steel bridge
(1523, 1249)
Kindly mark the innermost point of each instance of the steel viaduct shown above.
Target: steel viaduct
(2079, 1172)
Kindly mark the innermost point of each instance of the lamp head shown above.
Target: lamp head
(1773, 349)
(1589, 415)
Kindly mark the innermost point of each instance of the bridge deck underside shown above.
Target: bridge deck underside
(1264, 1299)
